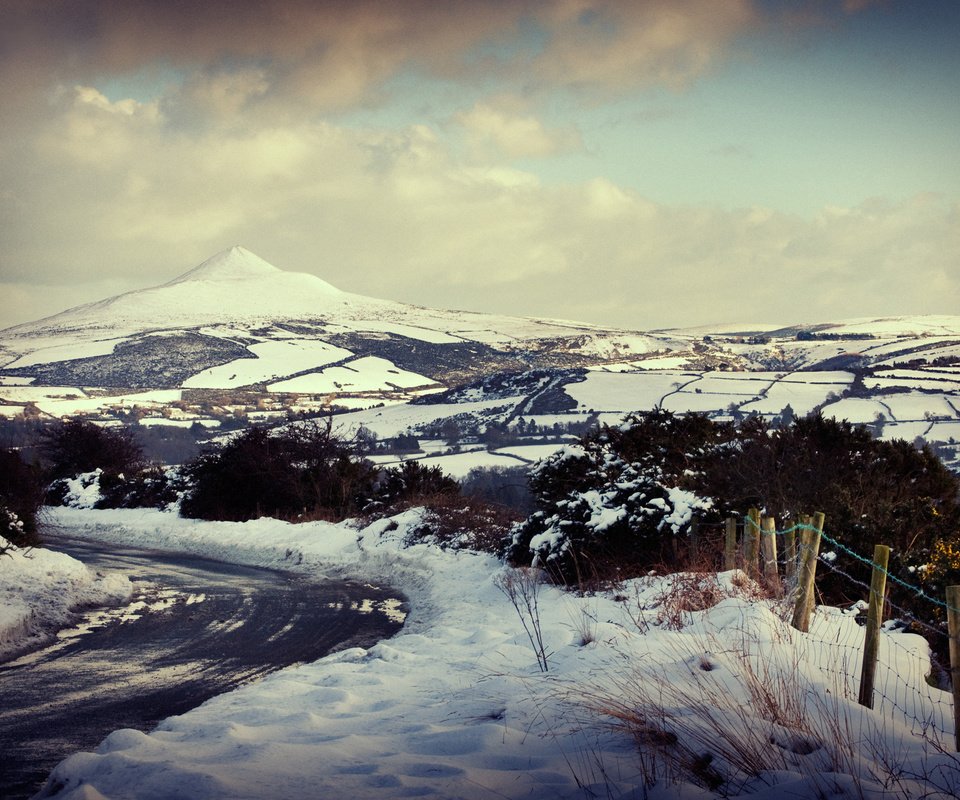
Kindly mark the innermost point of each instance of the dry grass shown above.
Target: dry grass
(669, 601)
(522, 587)
(731, 719)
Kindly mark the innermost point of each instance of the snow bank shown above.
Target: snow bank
(455, 705)
(38, 591)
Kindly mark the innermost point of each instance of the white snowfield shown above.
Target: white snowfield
(367, 374)
(455, 707)
(40, 589)
(273, 359)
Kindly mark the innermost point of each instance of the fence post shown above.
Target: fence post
(871, 644)
(768, 546)
(790, 551)
(953, 628)
(810, 549)
(751, 543)
(730, 544)
(694, 554)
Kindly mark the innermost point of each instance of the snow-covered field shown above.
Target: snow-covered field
(272, 360)
(455, 706)
(368, 374)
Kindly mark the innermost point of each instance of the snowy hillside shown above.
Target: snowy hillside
(236, 320)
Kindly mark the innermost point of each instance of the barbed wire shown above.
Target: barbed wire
(917, 590)
(911, 617)
(908, 681)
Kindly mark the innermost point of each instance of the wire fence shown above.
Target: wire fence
(910, 686)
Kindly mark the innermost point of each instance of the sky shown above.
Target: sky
(647, 164)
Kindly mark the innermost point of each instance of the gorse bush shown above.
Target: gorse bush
(618, 498)
(625, 495)
(21, 494)
(151, 487)
(413, 480)
(301, 470)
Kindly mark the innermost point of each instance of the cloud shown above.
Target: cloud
(324, 55)
(109, 192)
(504, 127)
(605, 45)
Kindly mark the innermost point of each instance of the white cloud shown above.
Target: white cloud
(503, 128)
(109, 192)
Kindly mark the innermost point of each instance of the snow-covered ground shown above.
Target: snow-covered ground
(455, 705)
(40, 589)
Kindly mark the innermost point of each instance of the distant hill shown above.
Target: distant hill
(236, 340)
(236, 321)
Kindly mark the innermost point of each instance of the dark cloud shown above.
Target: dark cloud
(335, 54)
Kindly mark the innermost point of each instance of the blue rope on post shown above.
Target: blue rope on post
(919, 592)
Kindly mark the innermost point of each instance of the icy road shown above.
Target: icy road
(194, 628)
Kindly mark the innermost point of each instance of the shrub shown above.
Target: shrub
(462, 523)
(872, 492)
(77, 446)
(413, 480)
(623, 496)
(301, 470)
(153, 487)
(21, 494)
(602, 508)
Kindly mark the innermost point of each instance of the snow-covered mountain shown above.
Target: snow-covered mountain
(236, 320)
(240, 288)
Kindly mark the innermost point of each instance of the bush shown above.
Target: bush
(301, 471)
(624, 495)
(21, 494)
(413, 480)
(78, 446)
(599, 511)
(462, 523)
(153, 487)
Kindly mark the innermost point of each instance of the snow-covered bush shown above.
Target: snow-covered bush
(152, 487)
(617, 498)
(79, 491)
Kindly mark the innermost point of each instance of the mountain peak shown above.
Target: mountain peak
(234, 263)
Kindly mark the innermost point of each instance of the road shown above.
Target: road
(194, 628)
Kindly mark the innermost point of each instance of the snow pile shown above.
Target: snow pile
(722, 696)
(39, 589)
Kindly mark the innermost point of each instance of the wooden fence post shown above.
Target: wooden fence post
(694, 550)
(953, 628)
(871, 644)
(790, 551)
(768, 546)
(810, 549)
(751, 543)
(730, 544)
